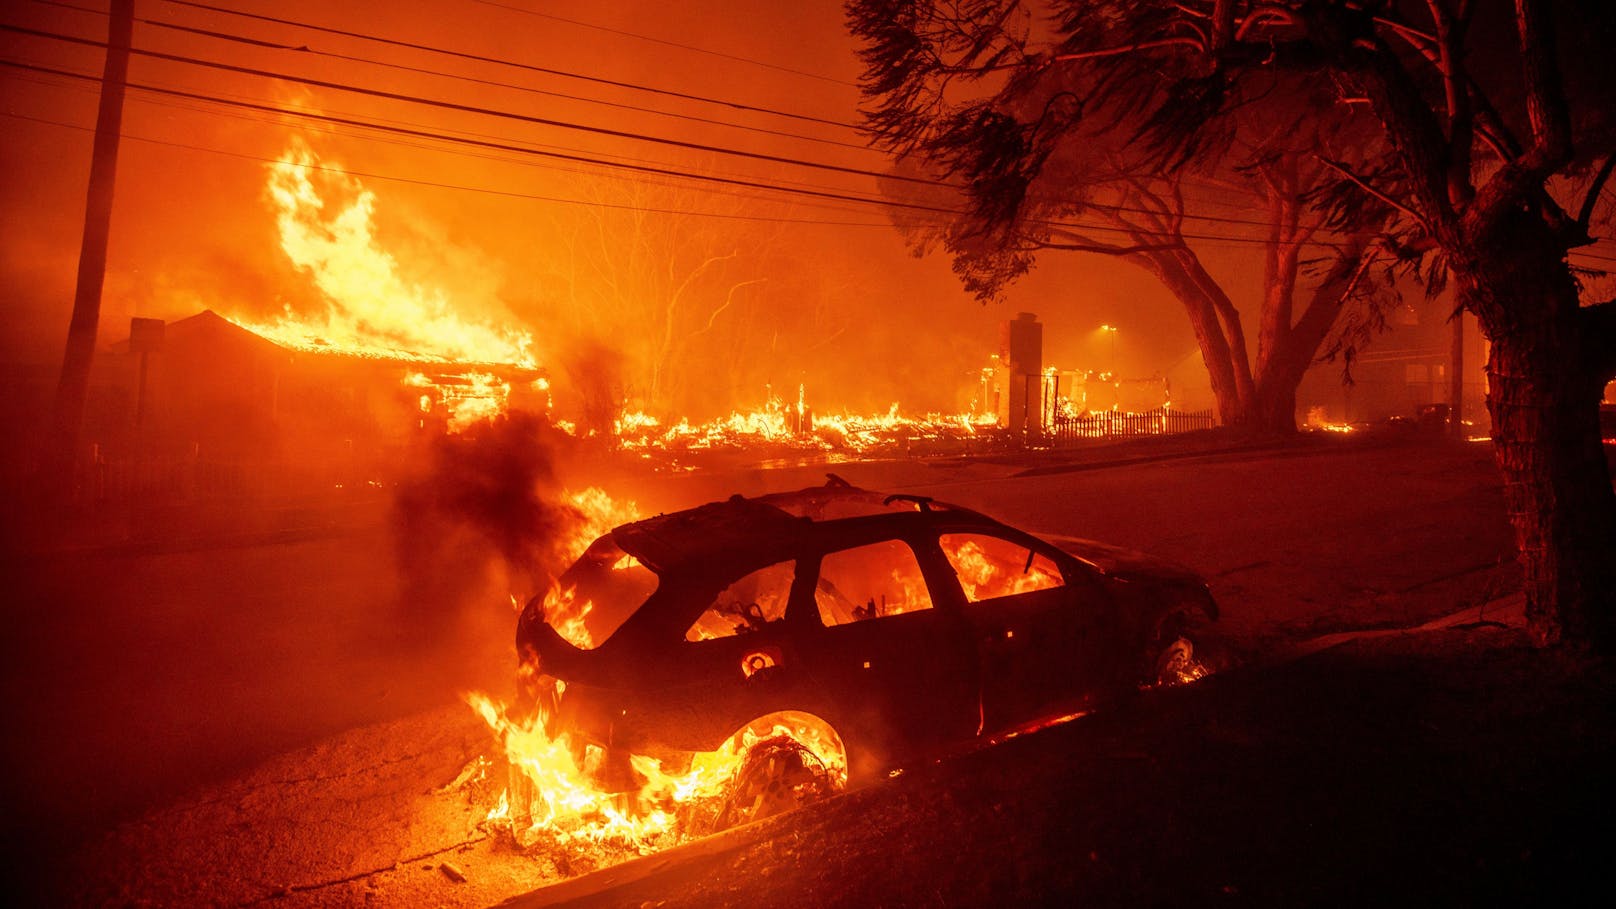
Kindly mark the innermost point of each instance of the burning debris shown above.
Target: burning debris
(796, 428)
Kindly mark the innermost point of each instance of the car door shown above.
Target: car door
(1038, 633)
(739, 659)
(897, 672)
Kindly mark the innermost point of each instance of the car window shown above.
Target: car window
(870, 582)
(990, 566)
(747, 605)
(597, 594)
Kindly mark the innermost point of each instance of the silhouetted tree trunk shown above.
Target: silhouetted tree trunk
(1549, 362)
(1506, 239)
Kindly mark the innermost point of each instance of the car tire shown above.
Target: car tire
(779, 774)
(1173, 658)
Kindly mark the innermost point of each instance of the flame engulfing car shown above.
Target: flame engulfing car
(867, 630)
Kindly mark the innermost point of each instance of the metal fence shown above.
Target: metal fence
(1110, 424)
(194, 479)
(1054, 423)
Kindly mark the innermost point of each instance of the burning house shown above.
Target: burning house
(206, 392)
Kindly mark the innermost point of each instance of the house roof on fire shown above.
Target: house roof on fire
(209, 329)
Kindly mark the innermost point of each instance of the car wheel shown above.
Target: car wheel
(1172, 658)
(777, 775)
(1177, 664)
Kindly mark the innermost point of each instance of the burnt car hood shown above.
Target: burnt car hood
(1125, 564)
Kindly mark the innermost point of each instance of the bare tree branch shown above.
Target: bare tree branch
(729, 298)
(1191, 43)
(1363, 184)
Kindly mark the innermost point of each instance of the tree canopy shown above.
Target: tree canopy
(1495, 132)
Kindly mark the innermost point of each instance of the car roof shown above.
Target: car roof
(741, 528)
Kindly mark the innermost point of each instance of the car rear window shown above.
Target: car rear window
(597, 594)
(989, 567)
(870, 582)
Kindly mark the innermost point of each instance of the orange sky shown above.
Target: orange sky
(566, 251)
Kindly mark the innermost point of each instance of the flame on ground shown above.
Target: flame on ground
(555, 798)
(1317, 420)
(794, 425)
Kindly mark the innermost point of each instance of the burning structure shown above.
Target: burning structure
(208, 391)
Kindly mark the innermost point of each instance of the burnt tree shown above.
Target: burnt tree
(1490, 112)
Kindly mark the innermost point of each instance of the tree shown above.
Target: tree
(1490, 112)
(958, 91)
(655, 279)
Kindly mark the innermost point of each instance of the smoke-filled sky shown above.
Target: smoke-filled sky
(700, 290)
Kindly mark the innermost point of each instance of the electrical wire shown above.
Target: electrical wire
(465, 108)
(883, 202)
(371, 175)
(665, 42)
(493, 83)
(1114, 208)
(247, 109)
(499, 146)
(667, 93)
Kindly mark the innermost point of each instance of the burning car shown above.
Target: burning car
(836, 634)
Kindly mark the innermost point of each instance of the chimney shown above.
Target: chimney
(1021, 351)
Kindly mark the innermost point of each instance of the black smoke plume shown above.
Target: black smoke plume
(483, 509)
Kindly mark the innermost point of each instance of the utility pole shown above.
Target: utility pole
(62, 453)
(1456, 378)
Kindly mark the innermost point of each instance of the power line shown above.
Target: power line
(665, 42)
(249, 110)
(352, 58)
(1113, 207)
(450, 105)
(470, 108)
(646, 169)
(342, 171)
(667, 93)
(499, 146)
